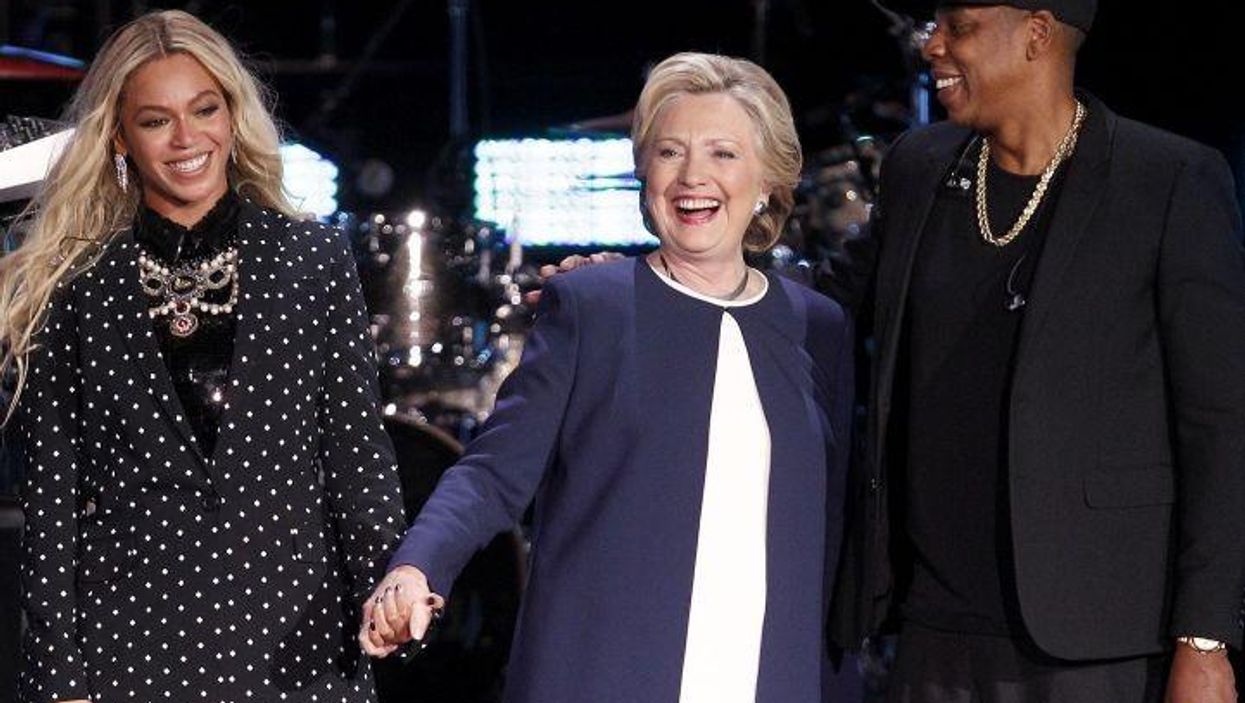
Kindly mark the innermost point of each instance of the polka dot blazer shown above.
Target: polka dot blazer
(153, 572)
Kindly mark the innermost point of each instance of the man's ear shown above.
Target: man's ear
(1043, 28)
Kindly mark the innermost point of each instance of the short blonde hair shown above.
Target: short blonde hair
(766, 105)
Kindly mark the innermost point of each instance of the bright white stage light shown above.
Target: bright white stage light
(560, 192)
(310, 179)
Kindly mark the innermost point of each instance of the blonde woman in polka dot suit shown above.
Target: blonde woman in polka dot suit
(201, 525)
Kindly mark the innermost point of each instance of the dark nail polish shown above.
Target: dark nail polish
(372, 625)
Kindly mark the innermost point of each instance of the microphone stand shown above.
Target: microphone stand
(911, 37)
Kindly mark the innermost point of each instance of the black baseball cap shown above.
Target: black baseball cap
(1078, 13)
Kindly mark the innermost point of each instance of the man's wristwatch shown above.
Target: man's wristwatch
(1202, 645)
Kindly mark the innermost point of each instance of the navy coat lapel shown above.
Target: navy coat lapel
(777, 335)
(692, 327)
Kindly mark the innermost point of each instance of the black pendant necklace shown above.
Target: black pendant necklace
(739, 289)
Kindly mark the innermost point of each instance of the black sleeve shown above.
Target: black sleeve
(54, 669)
(356, 454)
(1201, 300)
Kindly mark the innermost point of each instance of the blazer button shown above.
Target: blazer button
(211, 503)
(875, 484)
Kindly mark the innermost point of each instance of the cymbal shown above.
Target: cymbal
(619, 123)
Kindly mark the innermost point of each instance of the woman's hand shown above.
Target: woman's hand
(398, 611)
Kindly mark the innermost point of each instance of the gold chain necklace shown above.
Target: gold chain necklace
(1066, 145)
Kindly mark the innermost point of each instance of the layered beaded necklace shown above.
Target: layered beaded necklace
(182, 288)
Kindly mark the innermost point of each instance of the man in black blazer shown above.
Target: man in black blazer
(1053, 506)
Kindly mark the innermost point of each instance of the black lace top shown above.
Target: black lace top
(199, 362)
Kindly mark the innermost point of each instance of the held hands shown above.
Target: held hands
(570, 263)
(1198, 677)
(398, 611)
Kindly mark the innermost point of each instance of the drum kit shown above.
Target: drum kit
(447, 313)
(467, 655)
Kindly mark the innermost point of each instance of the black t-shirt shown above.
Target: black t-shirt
(967, 300)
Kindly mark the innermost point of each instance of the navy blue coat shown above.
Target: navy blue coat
(606, 422)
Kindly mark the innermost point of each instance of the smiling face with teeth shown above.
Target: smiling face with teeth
(977, 55)
(703, 176)
(176, 130)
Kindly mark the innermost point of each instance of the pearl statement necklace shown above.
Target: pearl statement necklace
(182, 288)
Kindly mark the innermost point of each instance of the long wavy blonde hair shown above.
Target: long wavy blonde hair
(80, 207)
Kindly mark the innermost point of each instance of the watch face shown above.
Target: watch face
(1202, 644)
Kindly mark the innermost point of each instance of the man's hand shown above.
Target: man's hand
(1198, 677)
(398, 611)
(570, 263)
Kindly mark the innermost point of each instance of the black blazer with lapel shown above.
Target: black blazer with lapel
(151, 568)
(1126, 437)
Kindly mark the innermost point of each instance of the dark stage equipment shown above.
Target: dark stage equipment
(466, 659)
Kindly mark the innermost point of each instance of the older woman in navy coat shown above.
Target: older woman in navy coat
(682, 421)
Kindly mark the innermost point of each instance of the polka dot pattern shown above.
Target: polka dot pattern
(154, 572)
